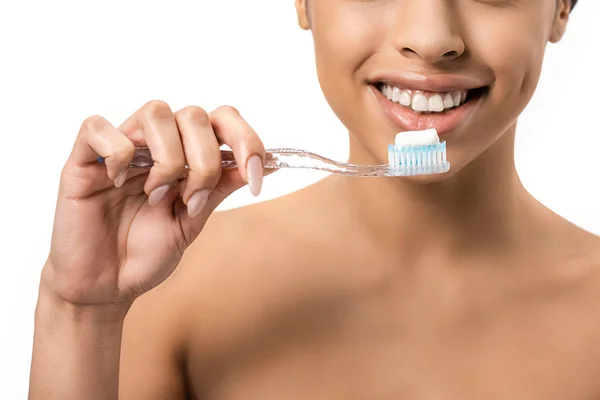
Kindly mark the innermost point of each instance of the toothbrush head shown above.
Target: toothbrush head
(418, 160)
(418, 153)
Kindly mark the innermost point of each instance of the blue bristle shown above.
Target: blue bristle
(415, 160)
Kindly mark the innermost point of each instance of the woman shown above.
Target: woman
(459, 286)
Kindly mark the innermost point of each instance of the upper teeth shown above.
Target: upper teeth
(424, 102)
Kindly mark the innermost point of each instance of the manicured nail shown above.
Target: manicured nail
(157, 195)
(254, 174)
(197, 202)
(120, 179)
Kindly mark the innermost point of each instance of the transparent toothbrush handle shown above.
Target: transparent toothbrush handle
(295, 158)
(282, 158)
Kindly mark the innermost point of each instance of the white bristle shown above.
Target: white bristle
(418, 160)
(417, 153)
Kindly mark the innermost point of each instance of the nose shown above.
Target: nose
(428, 30)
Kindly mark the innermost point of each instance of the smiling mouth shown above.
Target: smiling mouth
(424, 102)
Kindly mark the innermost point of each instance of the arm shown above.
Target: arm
(75, 352)
(100, 354)
(118, 233)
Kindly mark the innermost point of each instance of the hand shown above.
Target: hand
(119, 232)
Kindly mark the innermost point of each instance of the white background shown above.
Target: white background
(62, 61)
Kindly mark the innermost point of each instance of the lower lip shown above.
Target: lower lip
(409, 120)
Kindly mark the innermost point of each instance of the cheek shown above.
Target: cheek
(515, 58)
(514, 55)
(344, 38)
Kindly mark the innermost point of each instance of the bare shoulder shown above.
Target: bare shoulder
(255, 236)
(585, 254)
(248, 266)
(580, 271)
(583, 294)
(234, 279)
(590, 261)
(259, 242)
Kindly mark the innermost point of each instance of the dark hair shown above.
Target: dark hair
(573, 3)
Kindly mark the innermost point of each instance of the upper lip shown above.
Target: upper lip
(437, 82)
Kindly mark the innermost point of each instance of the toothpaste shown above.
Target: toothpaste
(417, 138)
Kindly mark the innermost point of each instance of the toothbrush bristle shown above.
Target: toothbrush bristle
(418, 160)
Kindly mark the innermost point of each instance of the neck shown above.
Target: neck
(479, 209)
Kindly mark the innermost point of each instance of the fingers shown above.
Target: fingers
(97, 137)
(231, 180)
(182, 144)
(249, 152)
(203, 157)
(154, 126)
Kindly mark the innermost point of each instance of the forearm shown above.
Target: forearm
(76, 351)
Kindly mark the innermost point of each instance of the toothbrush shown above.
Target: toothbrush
(414, 153)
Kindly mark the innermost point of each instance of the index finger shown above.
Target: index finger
(231, 129)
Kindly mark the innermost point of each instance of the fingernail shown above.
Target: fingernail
(120, 179)
(157, 195)
(197, 202)
(254, 174)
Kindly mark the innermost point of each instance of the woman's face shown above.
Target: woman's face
(465, 67)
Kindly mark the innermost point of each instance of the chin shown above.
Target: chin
(428, 179)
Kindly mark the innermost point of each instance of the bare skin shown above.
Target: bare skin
(460, 286)
(315, 300)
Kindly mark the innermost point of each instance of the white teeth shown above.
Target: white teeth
(405, 99)
(436, 104)
(420, 103)
(448, 102)
(395, 95)
(456, 98)
(424, 102)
